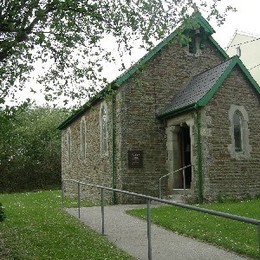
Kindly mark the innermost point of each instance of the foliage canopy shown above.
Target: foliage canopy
(30, 149)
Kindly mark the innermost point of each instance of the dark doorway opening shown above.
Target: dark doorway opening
(185, 150)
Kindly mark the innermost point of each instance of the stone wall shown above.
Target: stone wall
(137, 129)
(142, 96)
(95, 168)
(224, 175)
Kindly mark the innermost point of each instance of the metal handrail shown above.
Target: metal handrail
(148, 217)
(171, 173)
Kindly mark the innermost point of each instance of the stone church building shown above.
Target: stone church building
(181, 105)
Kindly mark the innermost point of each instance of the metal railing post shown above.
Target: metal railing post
(184, 178)
(258, 235)
(102, 212)
(160, 188)
(149, 229)
(79, 199)
(62, 193)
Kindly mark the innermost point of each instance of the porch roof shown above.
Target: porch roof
(202, 87)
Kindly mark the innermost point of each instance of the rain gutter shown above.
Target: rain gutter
(114, 171)
(199, 154)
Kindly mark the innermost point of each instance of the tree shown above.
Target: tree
(30, 148)
(67, 36)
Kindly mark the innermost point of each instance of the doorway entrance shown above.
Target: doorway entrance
(185, 152)
(182, 157)
(179, 145)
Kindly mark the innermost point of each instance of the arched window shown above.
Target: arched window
(69, 145)
(103, 129)
(238, 131)
(83, 138)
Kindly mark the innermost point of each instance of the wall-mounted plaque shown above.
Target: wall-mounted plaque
(135, 159)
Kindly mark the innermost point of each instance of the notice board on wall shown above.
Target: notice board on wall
(135, 159)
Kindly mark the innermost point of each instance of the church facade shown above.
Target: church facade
(187, 111)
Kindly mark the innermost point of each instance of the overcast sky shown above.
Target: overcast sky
(246, 19)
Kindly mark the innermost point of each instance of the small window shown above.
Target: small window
(83, 138)
(103, 129)
(196, 42)
(193, 45)
(238, 128)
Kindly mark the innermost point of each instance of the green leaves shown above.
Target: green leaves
(69, 32)
(30, 148)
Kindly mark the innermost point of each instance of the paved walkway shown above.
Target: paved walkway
(129, 234)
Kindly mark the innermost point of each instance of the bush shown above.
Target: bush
(30, 149)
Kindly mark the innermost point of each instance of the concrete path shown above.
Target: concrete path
(129, 234)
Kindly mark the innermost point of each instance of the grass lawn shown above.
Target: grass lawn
(232, 235)
(37, 228)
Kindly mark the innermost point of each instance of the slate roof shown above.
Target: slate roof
(202, 87)
(196, 88)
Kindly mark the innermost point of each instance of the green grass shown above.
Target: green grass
(73, 203)
(232, 235)
(37, 228)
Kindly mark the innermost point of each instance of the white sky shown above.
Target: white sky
(246, 19)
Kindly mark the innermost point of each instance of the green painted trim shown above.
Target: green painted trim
(177, 111)
(114, 169)
(95, 99)
(72, 118)
(204, 23)
(207, 97)
(199, 156)
(248, 75)
(137, 66)
(219, 48)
